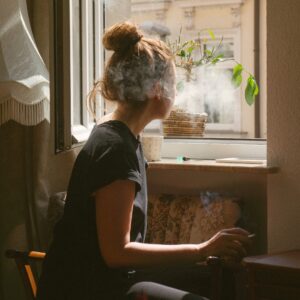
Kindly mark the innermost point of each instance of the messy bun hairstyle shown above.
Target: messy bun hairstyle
(135, 66)
(121, 36)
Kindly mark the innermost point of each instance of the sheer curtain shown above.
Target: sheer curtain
(24, 78)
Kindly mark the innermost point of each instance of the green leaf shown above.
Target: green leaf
(251, 90)
(217, 59)
(256, 88)
(180, 86)
(237, 70)
(208, 52)
(237, 80)
(237, 75)
(182, 53)
(190, 49)
(212, 35)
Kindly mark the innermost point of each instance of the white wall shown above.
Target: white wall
(263, 68)
(283, 123)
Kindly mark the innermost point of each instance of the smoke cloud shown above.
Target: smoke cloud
(210, 91)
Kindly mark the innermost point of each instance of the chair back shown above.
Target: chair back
(23, 260)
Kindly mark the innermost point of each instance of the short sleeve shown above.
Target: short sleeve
(113, 164)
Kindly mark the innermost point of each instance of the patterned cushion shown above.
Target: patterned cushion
(178, 219)
(158, 212)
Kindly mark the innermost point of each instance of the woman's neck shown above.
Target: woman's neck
(135, 118)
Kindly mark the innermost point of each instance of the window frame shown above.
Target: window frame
(205, 148)
(211, 149)
(66, 134)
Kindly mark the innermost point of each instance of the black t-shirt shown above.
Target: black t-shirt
(74, 267)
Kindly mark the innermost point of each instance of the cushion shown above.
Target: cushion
(178, 219)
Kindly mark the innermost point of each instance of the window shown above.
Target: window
(233, 21)
(220, 100)
(78, 58)
(83, 21)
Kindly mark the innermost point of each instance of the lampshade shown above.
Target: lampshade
(24, 78)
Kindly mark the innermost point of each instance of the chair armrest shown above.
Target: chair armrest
(214, 261)
(16, 254)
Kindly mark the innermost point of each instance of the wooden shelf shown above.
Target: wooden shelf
(211, 166)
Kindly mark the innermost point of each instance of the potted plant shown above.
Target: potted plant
(190, 55)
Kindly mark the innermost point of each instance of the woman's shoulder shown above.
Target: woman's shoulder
(110, 136)
(107, 130)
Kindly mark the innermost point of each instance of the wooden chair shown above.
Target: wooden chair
(220, 270)
(215, 264)
(23, 260)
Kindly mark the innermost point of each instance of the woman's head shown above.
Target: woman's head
(136, 67)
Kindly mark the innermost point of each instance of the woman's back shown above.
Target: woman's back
(74, 265)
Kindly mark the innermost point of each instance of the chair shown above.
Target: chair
(23, 260)
(215, 264)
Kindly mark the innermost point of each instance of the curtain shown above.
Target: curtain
(29, 169)
(24, 78)
(23, 198)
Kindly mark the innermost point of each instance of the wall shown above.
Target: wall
(263, 68)
(283, 123)
(56, 179)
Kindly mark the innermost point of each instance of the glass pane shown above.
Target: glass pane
(76, 63)
(226, 49)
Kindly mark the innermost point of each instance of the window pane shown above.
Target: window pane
(86, 29)
(76, 63)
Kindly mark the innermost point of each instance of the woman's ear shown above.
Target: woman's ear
(155, 92)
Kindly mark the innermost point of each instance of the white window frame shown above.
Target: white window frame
(210, 149)
(92, 62)
(172, 148)
(66, 134)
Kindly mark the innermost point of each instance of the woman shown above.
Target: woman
(99, 240)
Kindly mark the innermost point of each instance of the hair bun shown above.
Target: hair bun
(121, 36)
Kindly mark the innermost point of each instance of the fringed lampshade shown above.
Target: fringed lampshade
(24, 78)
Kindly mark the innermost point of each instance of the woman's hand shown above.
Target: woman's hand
(230, 243)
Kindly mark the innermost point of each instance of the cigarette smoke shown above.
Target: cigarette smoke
(209, 91)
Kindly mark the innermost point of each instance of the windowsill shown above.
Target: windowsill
(210, 149)
(80, 133)
(211, 166)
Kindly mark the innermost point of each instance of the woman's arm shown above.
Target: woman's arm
(114, 207)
